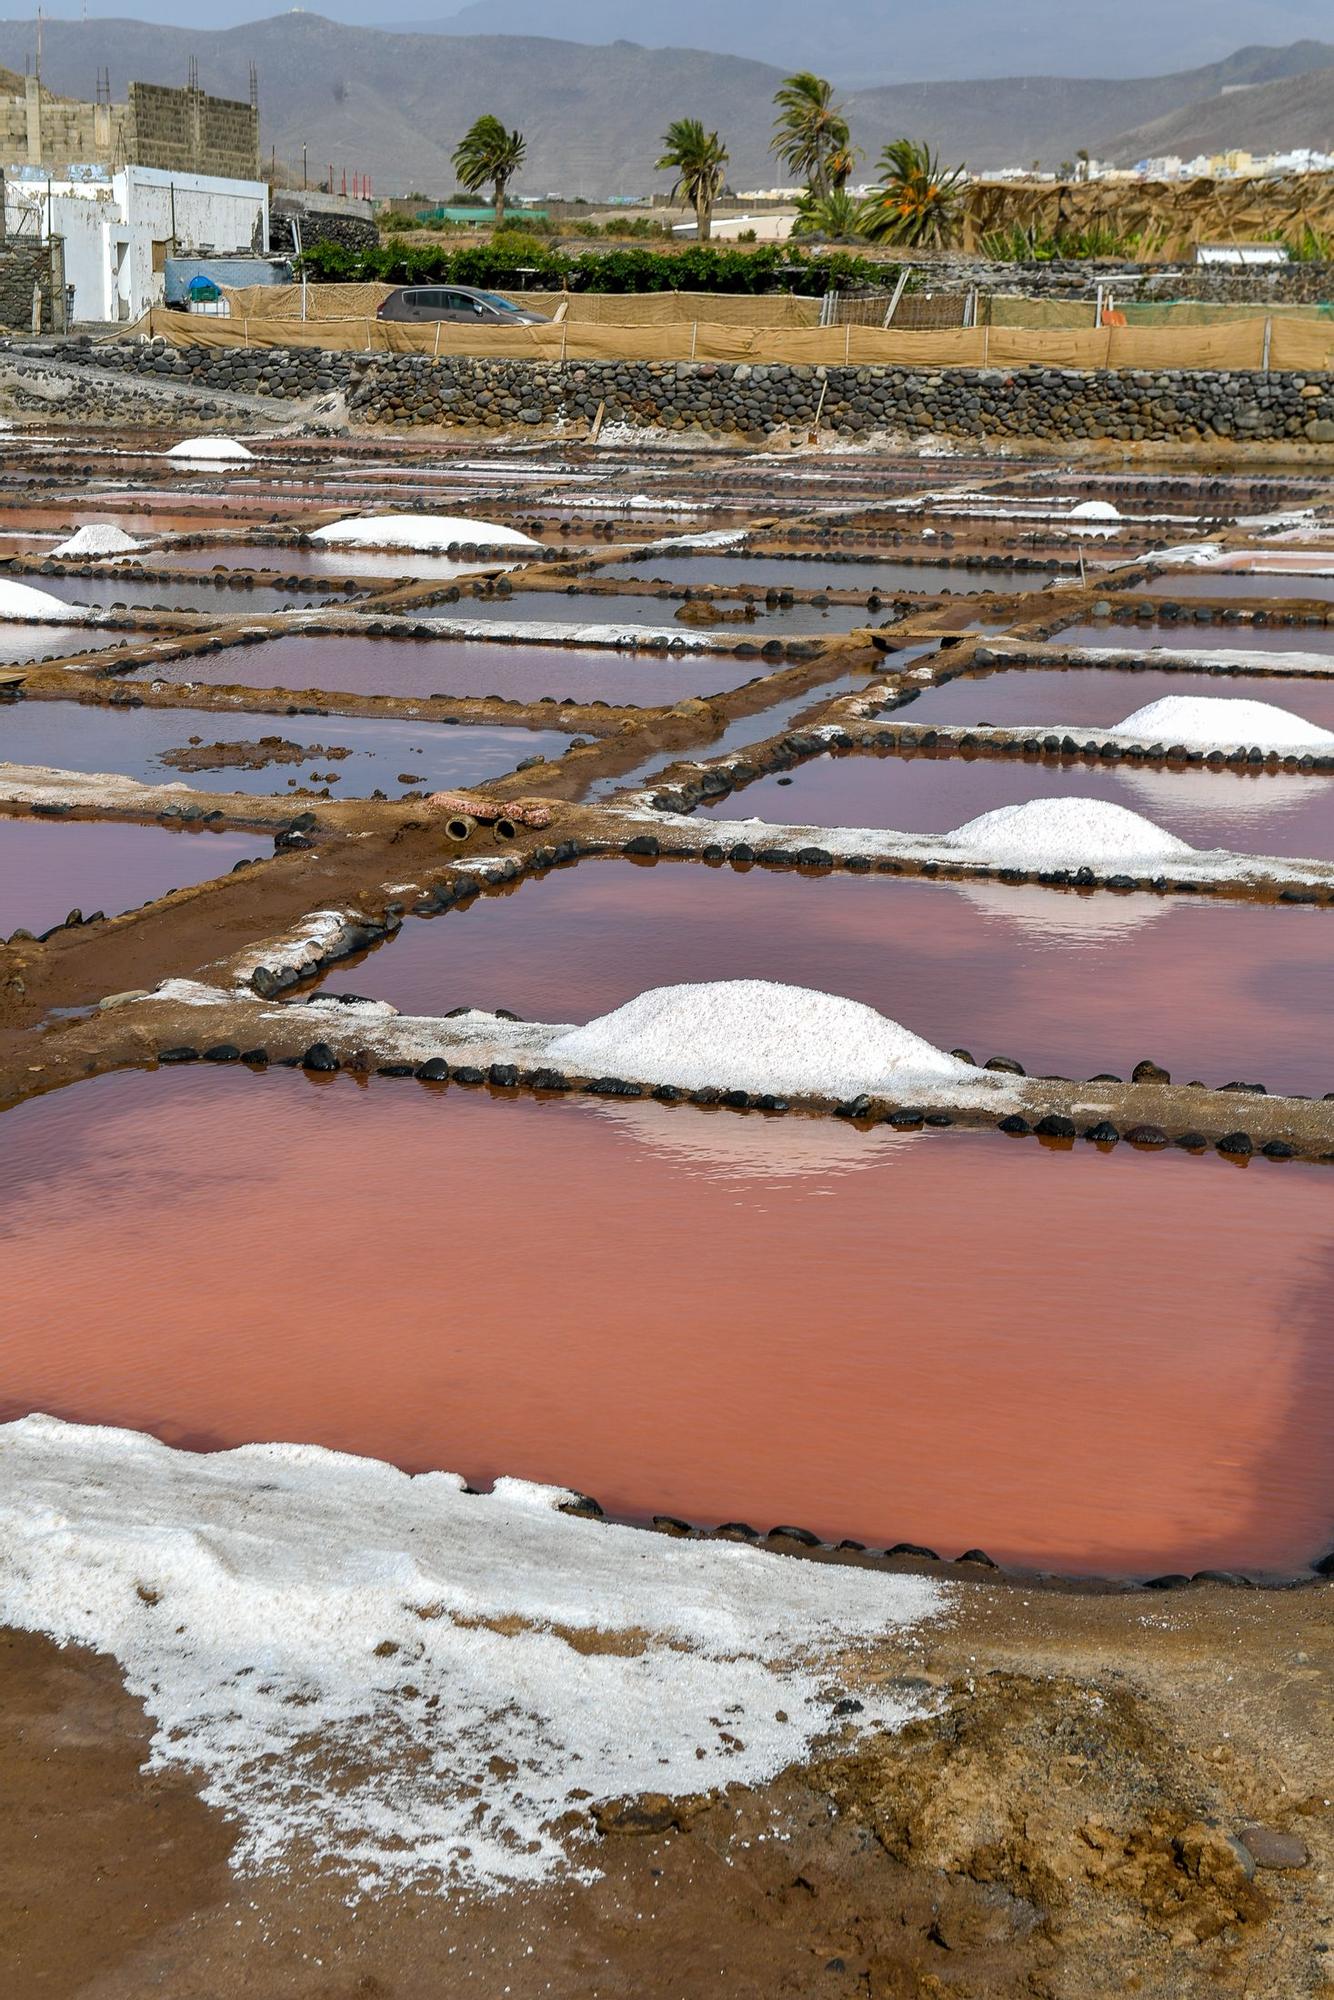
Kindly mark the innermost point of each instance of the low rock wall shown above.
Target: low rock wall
(404, 391)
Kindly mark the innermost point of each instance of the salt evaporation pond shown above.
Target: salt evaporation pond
(50, 867)
(1191, 637)
(1071, 698)
(1061, 982)
(995, 1374)
(1239, 583)
(349, 662)
(557, 607)
(1266, 813)
(177, 594)
(405, 565)
(739, 572)
(385, 755)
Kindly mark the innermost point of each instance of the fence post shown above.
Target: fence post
(986, 344)
(1269, 334)
(245, 329)
(847, 344)
(564, 325)
(694, 337)
(435, 352)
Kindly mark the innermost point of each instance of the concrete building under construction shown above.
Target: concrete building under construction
(184, 131)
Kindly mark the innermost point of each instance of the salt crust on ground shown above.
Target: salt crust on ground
(100, 538)
(421, 532)
(22, 601)
(755, 1035)
(315, 1633)
(1209, 722)
(210, 447)
(1065, 833)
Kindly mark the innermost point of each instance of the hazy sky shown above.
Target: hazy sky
(946, 38)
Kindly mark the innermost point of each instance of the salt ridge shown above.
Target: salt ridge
(99, 538)
(22, 601)
(422, 533)
(210, 448)
(1211, 722)
(317, 1635)
(1065, 833)
(755, 1035)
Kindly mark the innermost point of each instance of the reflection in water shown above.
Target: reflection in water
(1230, 797)
(1072, 920)
(1038, 1352)
(760, 1148)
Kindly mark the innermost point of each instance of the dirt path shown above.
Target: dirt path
(1063, 1826)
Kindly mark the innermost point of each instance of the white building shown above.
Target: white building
(119, 229)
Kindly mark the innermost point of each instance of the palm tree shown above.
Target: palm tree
(914, 203)
(698, 158)
(810, 130)
(488, 154)
(837, 216)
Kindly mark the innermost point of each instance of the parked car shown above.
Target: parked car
(459, 303)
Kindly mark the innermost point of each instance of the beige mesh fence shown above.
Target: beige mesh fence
(1285, 343)
(335, 302)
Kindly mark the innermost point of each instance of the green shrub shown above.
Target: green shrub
(702, 267)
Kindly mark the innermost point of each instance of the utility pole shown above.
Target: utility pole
(304, 182)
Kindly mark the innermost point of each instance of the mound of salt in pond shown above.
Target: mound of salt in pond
(1066, 833)
(754, 1035)
(1211, 722)
(1095, 510)
(209, 447)
(21, 601)
(101, 538)
(424, 533)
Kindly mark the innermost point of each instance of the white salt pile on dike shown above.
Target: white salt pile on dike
(98, 539)
(424, 533)
(1217, 722)
(210, 447)
(1095, 510)
(316, 1635)
(22, 601)
(755, 1035)
(1066, 833)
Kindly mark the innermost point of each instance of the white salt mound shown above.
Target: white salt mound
(99, 539)
(1095, 510)
(20, 600)
(1209, 722)
(422, 532)
(753, 1034)
(1065, 833)
(365, 1664)
(209, 447)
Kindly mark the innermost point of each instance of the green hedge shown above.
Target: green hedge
(702, 268)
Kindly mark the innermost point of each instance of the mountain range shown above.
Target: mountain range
(396, 104)
(877, 41)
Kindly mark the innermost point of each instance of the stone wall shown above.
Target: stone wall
(403, 391)
(23, 265)
(1280, 284)
(322, 219)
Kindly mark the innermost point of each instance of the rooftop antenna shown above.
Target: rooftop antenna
(192, 75)
(39, 46)
(254, 82)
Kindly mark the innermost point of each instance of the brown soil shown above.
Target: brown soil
(1063, 1825)
(248, 756)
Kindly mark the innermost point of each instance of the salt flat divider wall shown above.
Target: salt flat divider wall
(1275, 344)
